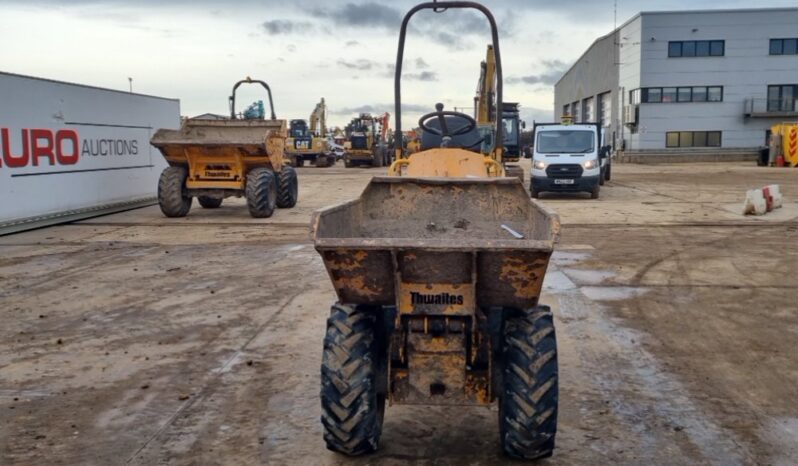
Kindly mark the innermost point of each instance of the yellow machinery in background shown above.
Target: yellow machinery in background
(215, 159)
(486, 114)
(309, 142)
(367, 141)
(438, 269)
(782, 147)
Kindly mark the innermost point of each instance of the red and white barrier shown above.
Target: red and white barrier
(762, 201)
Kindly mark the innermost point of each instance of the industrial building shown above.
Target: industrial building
(688, 83)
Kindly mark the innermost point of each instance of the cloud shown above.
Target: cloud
(530, 115)
(368, 14)
(377, 109)
(284, 26)
(421, 64)
(351, 43)
(423, 76)
(553, 70)
(360, 64)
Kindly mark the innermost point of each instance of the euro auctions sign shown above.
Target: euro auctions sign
(46, 147)
(68, 150)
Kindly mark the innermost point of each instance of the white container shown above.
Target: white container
(69, 151)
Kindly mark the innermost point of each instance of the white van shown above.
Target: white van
(568, 158)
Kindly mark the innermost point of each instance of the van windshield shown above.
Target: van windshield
(565, 141)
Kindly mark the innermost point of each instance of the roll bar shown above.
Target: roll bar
(440, 7)
(250, 81)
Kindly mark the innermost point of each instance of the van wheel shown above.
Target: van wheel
(594, 194)
(609, 172)
(534, 193)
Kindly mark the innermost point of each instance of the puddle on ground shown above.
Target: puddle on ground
(612, 293)
(568, 258)
(588, 277)
(557, 281)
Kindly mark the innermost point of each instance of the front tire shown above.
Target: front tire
(210, 202)
(261, 192)
(171, 192)
(528, 403)
(594, 194)
(288, 188)
(351, 409)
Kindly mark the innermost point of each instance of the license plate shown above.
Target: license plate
(563, 181)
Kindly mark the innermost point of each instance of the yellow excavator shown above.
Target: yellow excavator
(309, 143)
(485, 110)
(438, 268)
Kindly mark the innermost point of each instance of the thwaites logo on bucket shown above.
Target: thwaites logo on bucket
(45, 147)
(439, 298)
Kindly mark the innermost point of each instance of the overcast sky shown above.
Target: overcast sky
(195, 50)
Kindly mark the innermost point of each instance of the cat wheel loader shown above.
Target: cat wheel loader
(438, 268)
(309, 142)
(215, 159)
(367, 141)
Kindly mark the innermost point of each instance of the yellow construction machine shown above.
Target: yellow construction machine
(215, 159)
(782, 146)
(486, 114)
(309, 142)
(367, 141)
(438, 268)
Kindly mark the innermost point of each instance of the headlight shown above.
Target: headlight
(591, 164)
(539, 164)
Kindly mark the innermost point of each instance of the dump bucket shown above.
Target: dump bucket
(484, 238)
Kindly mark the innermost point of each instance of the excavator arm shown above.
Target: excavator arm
(486, 90)
(318, 119)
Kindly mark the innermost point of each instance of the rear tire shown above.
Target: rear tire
(594, 194)
(261, 192)
(210, 202)
(351, 409)
(288, 188)
(602, 176)
(171, 196)
(528, 403)
(609, 172)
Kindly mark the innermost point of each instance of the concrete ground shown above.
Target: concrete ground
(136, 339)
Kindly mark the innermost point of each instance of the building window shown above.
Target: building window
(575, 111)
(783, 46)
(587, 110)
(696, 48)
(692, 139)
(634, 97)
(655, 95)
(565, 109)
(782, 98)
(604, 109)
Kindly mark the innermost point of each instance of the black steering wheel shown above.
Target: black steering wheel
(444, 131)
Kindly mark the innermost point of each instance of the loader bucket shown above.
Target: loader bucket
(480, 238)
